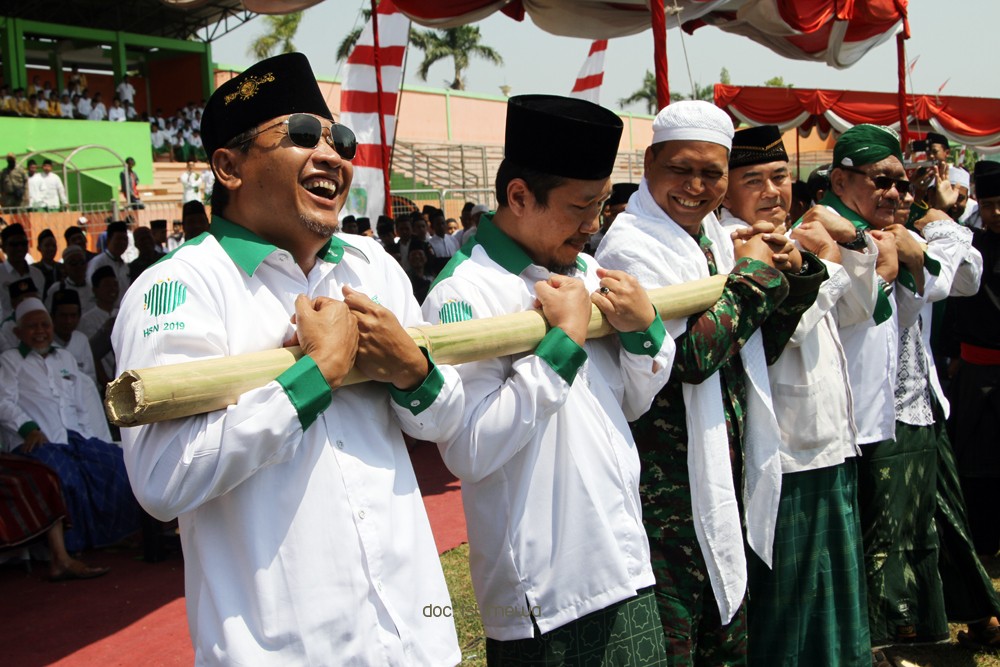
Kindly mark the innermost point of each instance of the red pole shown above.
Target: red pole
(658, 20)
(381, 112)
(904, 130)
(798, 156)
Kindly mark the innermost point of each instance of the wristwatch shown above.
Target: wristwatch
(858, 242)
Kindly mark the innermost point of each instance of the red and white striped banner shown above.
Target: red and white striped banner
(588, 84)
(361, 106)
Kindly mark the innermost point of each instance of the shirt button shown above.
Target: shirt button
(647, 345)
(414, 404)
(340, 444)
(361, 514)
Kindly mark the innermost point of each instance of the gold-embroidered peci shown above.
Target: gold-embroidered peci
(249, 87)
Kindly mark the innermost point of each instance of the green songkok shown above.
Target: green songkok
(865, 144)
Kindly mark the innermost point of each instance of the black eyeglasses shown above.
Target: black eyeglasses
(305, 131)
(882, 182)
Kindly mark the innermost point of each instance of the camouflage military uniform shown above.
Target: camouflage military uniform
(754, 297)
(13, 187)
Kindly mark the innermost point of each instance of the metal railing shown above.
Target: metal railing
(92, 216)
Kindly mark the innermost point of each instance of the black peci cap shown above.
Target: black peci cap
(278, 86)
(757, 145)
(562, 136)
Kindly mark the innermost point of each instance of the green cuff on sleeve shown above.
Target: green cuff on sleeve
(646, 342)
(932, 265)
(420, 399)
(27, 427)
(906, 279)
(307, 389)
(561, 353)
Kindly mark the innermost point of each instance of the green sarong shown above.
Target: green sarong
(625, 634)
(896, 491)
(810, 608)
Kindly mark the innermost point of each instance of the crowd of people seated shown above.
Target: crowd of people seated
(56, 319)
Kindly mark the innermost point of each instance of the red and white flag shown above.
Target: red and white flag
(588, 84)
(360, 107)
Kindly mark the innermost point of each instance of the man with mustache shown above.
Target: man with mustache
(304, 533)
(808, 608)
(712, 430)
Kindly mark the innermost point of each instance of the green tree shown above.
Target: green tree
(281, 31)
(459, 44)
(645, 94)
(724, 77)
(704, 93)
(352, 37)
(777, 82)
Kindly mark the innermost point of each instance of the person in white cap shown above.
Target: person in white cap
(964, 208)
(712, 429)
(51, 412)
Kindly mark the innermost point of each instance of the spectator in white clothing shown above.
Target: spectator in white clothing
(191, 183)
(98, 322)
(98, 111)
(45, 190)
(66, 314)
(117, 244)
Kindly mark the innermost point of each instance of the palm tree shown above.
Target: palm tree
(282, 29)
(459, 44)
(704, 93)
(353, 36)
(646, 94)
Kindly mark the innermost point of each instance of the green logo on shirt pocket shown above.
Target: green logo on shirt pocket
(164, 297)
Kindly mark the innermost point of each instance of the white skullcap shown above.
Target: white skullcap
(29, 305)
(479, 208)
(958, 176)
(72, 250)
(693, 120)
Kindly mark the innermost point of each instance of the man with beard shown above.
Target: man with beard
(549, 470)
(715, 413)
(808, 608)
(304, 533)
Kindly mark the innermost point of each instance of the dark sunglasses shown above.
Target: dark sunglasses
(882, 182)
(305, 131)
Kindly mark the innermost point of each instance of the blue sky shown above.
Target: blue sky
(952, 46)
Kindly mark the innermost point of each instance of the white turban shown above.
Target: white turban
(29, 305)
(958, 176)
(693, 120)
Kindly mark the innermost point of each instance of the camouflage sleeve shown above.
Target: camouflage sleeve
(751, 294)
(802, 290)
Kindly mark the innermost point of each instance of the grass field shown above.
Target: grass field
(470, 629)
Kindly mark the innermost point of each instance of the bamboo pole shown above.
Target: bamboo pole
(150, 395)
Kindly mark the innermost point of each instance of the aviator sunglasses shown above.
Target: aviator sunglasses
(882, 182)
(305, 130)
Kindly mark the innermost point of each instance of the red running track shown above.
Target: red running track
(135, 615)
